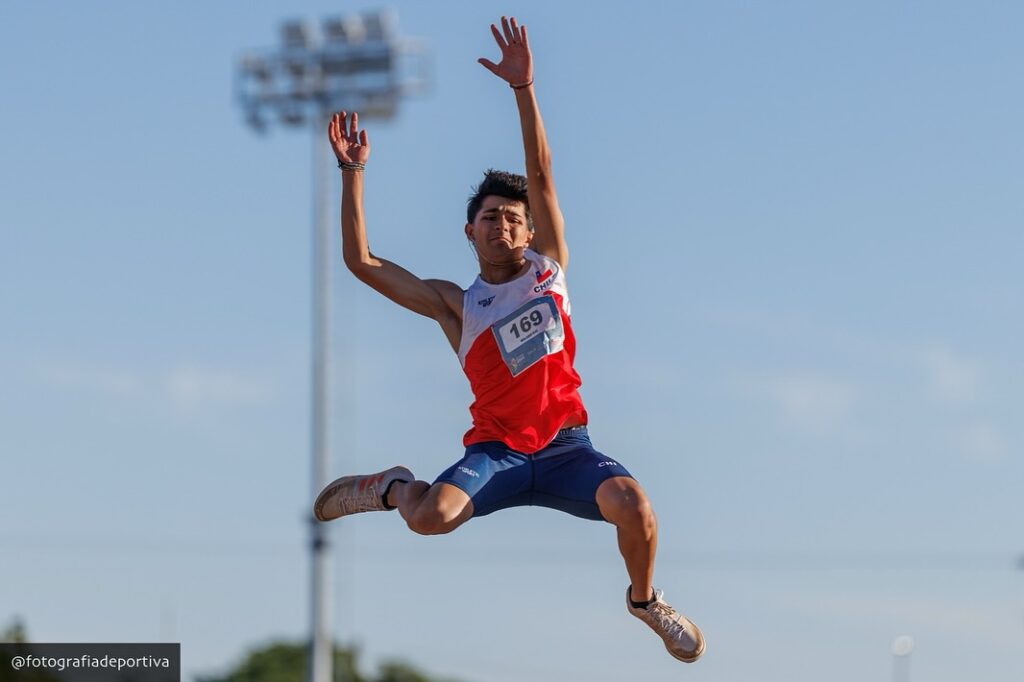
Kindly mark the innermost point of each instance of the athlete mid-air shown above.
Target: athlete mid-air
(513, 335)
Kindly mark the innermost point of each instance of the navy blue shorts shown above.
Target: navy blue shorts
(564, 475)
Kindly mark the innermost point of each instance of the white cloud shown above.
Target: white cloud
(812, 403)
(982, 441)
(951, 378)
(187, 387)
(956, 617)
(191, 387)
(96, 380)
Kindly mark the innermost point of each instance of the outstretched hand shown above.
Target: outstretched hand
(516, 67)
(349, 143)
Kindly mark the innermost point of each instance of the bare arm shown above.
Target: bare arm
(516, 68)
(437, 299)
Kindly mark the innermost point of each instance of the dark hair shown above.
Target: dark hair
(502, 184)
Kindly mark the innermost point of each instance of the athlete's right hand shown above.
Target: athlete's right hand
(349, 145)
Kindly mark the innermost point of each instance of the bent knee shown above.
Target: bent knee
(431, 521)
(626, 504)
(426, 524)
(633, 512)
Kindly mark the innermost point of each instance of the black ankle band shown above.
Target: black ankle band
(642, 604)
(384, 497)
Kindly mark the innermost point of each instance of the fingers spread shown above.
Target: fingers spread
(522, 34)
(507, 31)
(515, 30)
(363, 140)
(491, 66)
(497, 37)
(355, 124)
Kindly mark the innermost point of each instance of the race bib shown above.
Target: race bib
(530, 333)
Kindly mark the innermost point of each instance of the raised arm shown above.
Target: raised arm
(516, 68)
(437, 299)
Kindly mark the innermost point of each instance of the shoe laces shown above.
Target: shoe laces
(368, 500)
(666, 617)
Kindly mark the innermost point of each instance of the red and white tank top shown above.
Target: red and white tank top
(517, 350)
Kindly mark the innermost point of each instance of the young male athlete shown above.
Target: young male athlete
(513, 335)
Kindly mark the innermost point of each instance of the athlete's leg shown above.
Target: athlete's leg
(430, 509)
(575, 478)
(487, 478)
(624, 504)
(622, 501)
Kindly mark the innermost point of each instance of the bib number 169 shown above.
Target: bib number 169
(522, 326)
(529, 333)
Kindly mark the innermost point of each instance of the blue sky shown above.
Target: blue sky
(796, 234)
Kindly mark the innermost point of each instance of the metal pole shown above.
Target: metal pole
(352, 63)
(902, 647)
(321, 650)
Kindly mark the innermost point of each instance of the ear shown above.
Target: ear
(469, 231)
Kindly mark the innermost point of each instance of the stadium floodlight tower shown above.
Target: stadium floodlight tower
(356, 63)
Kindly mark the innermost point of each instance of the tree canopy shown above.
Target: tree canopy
(287, 662)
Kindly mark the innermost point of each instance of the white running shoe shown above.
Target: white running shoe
(353, 494)
(682, 638)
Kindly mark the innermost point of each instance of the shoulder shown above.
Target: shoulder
(546, 266)
(450, 292)
(540, 258)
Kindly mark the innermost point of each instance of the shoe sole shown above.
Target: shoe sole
(326, 494)
(697, 653)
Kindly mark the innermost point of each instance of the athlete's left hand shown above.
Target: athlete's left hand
(350, 144)
(516, 65)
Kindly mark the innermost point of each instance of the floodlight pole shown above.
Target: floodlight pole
(354, 63)
(321, 598)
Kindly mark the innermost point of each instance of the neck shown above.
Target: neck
(499, 273)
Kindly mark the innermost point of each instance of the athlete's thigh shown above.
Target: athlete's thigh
(568, 474)
(493, 476)
(449, 502)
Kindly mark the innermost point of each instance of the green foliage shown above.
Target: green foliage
(274, 662)
(15, 633)
(287, 661)
(400, 672)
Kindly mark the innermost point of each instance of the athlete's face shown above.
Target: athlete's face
(500, 231)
